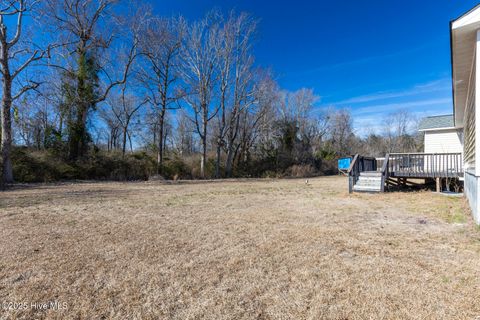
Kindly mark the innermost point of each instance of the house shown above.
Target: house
(452, 142)
(440, 135)
(465, 48)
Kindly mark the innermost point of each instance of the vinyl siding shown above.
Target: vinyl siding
(469, 121)
(443, 141)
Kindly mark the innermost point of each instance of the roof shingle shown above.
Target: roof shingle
(437, 122)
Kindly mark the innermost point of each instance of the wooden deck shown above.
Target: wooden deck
(403, 165)
(425, 165)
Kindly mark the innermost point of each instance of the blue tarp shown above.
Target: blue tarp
(344, 163)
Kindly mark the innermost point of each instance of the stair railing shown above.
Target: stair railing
(384, 172)
(358, 165)
(353, 173)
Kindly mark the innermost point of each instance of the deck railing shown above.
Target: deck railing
(426, 165)
(385, 171)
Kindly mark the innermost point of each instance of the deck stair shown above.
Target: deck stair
(369, 181)
(364, 176)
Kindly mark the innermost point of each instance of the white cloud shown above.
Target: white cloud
(442, 85)
(370, 110)
(392, 107)
(373, 120)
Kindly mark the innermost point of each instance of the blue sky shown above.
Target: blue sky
(373, 57)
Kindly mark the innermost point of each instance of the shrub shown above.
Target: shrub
(43, 166)
(301, 171)
(270, 174)
(33, 167)
(192, 163)
(325, 154)
(176, 168)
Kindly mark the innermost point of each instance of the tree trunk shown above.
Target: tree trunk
(130, 141)
(234, 125)
(229, 164)
(112, 140)
(77, 134)
(203, 136)
(124, 146)
(165, 136)
(7, 130)
(203, 160)
(160, 143)
(6, 143)
(217, 164)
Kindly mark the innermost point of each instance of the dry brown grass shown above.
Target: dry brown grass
(265, 249)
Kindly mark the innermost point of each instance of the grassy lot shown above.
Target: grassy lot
(265, 249)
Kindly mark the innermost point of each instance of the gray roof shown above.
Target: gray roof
(437, 122)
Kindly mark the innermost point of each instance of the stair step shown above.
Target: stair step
(368, 186)
(370, 174)
(359, 188)
(379, 181)
(371, 179)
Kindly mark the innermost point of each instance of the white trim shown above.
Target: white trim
(468, 19)
(440, 129)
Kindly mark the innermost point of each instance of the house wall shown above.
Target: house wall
(472, 137)
(443, 141)
(472, 187)
(465, 36)
(469, 123)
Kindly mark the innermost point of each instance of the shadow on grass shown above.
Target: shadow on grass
(27, 195)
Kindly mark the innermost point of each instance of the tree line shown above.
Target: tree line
(83, 79)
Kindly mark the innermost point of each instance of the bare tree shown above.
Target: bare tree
(113, 126)
(161, 43)
(341, 132)
(256, 129)
(236, 55)
(225, 57)
(87, 29)
(123, 107)
(297, 105)
(319, 126)
(199, 75)
(16, 56)
(297, 109)
(398, 127)
(34, 122)
(184, 137)
(24, 124)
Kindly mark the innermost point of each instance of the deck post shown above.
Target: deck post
(439, 185)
